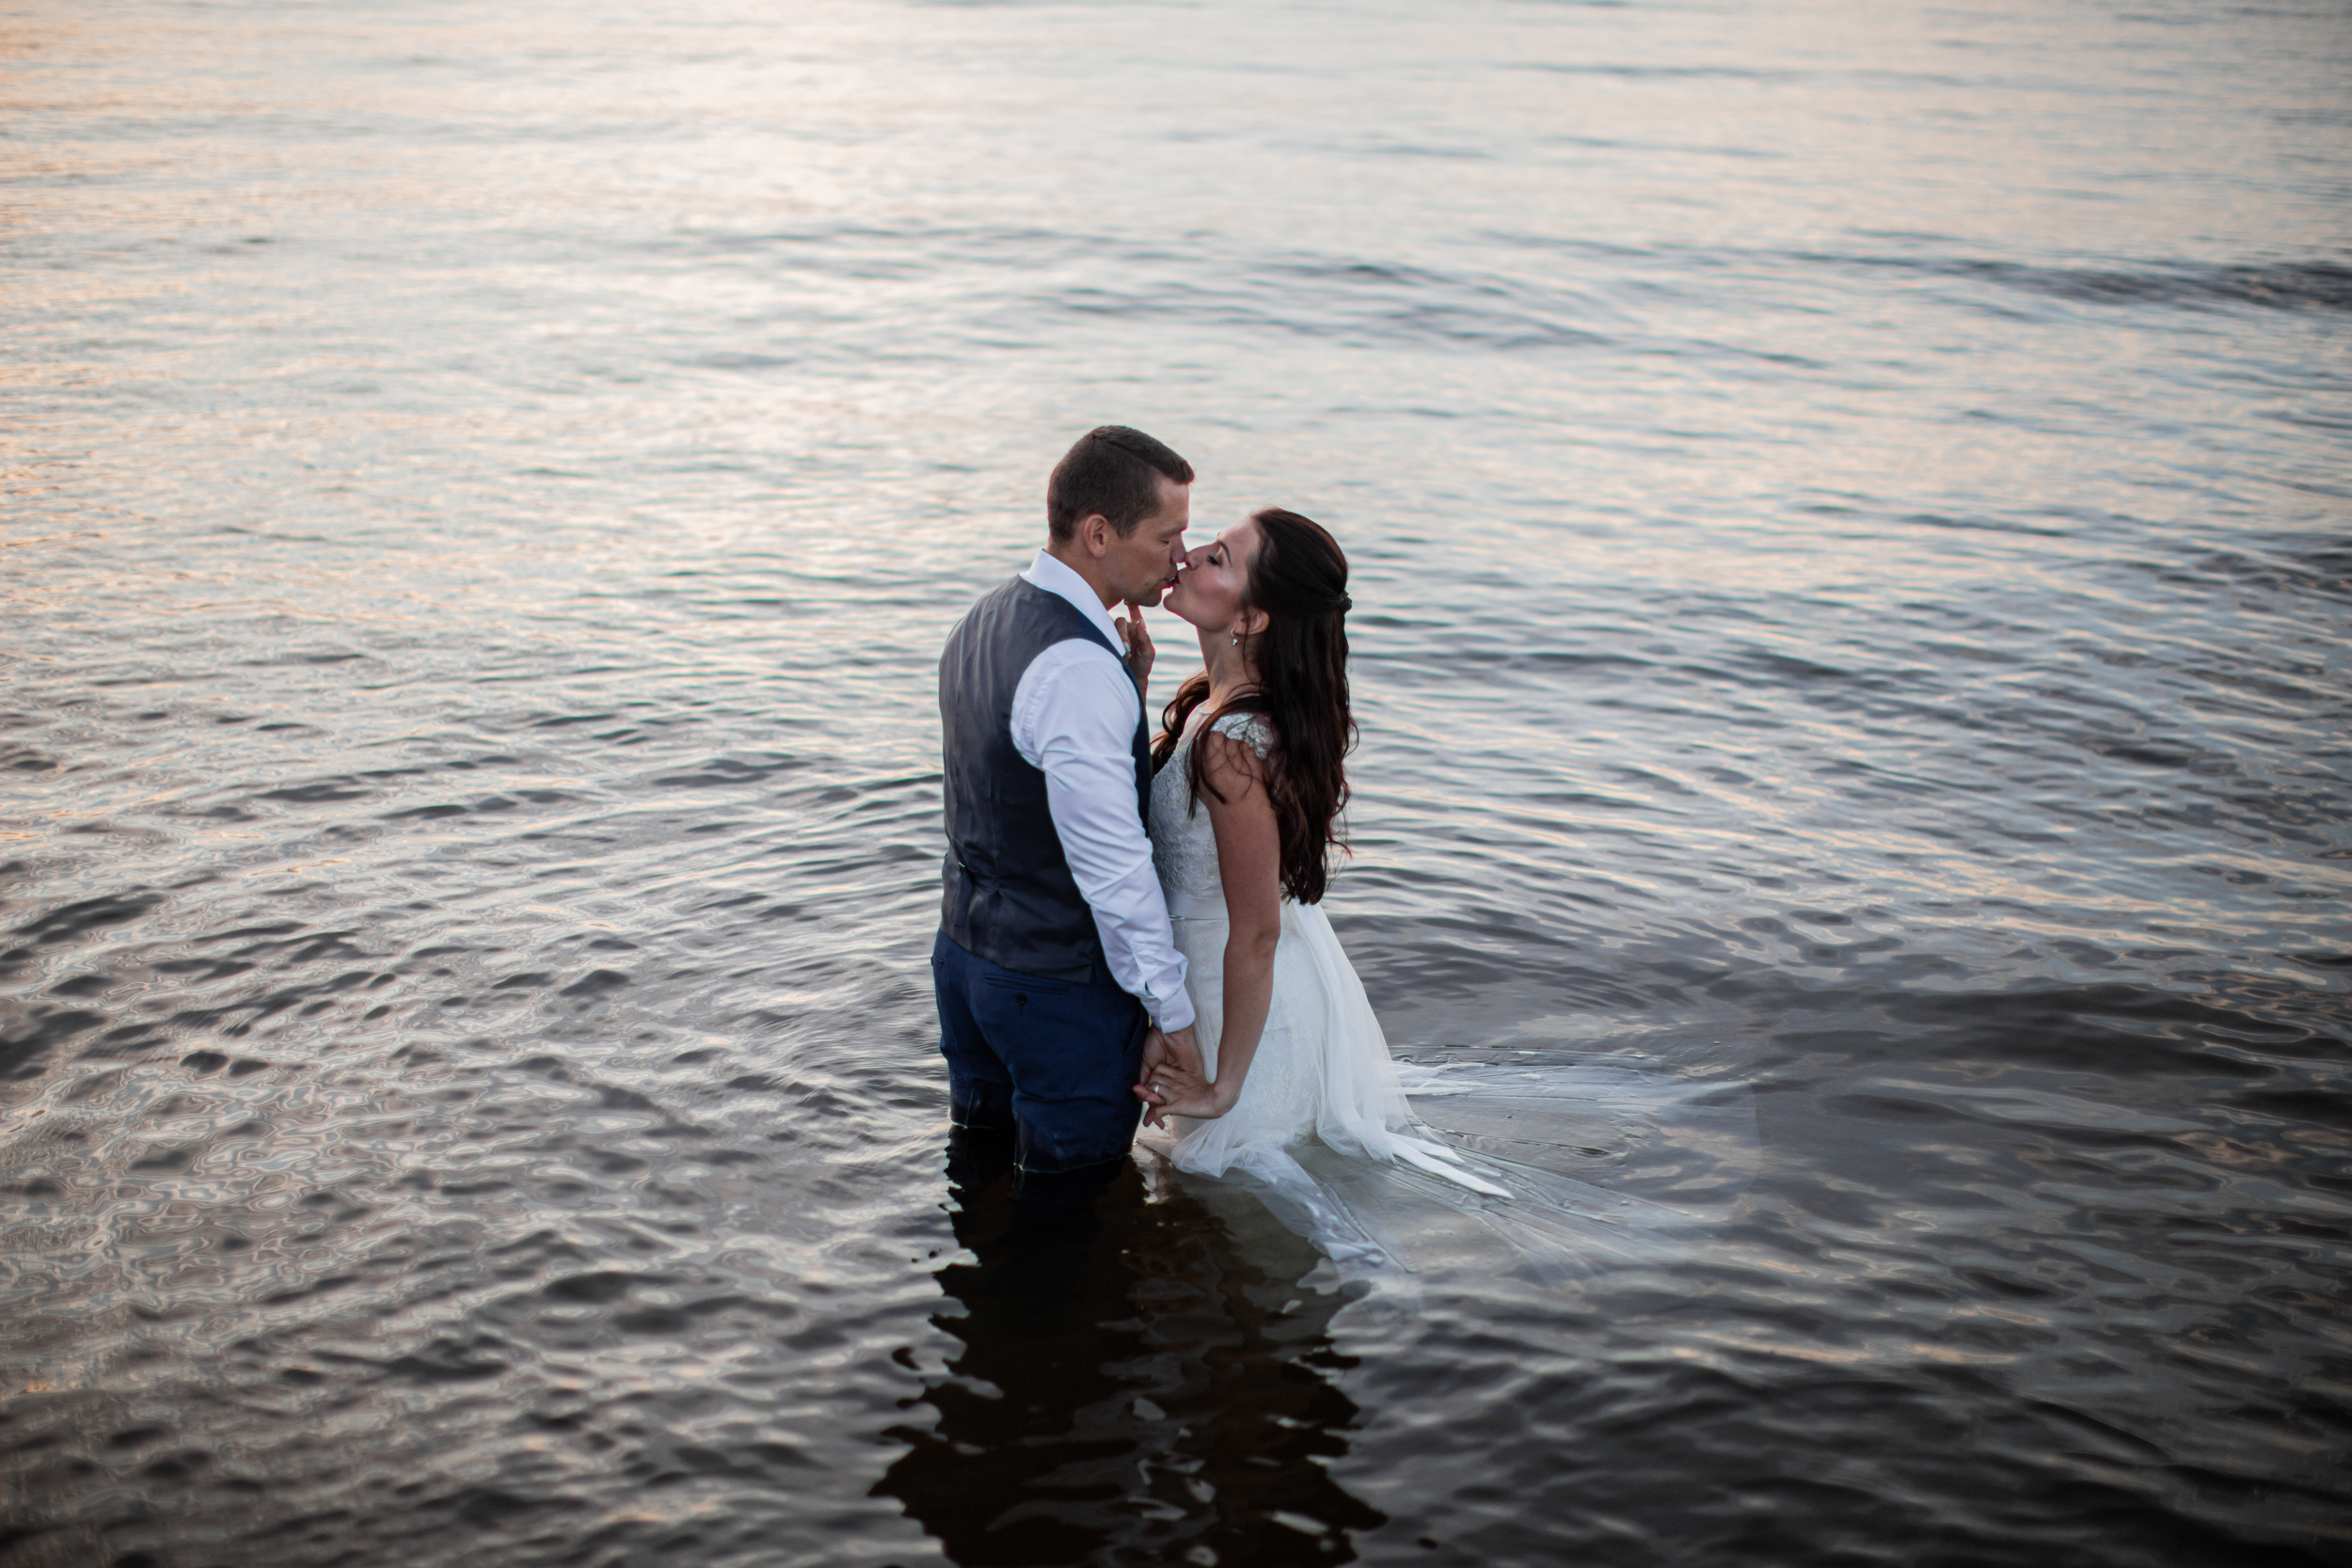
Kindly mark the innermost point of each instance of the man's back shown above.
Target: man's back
(1006, 890)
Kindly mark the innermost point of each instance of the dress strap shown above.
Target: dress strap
(1250, 729)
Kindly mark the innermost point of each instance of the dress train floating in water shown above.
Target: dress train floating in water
(1381, 1163)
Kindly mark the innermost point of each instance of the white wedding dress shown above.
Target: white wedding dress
(1322, 1067)
(1533, 1148)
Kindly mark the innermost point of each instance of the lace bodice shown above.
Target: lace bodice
(1184, 848)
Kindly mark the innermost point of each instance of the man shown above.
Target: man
(1057, 978)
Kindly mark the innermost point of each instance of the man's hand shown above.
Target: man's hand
(1171, 1071)
(1140, 653)
(1179, 1049)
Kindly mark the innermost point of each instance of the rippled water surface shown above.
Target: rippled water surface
(1853, 532)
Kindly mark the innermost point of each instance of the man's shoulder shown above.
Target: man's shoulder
(987, 614)
(1019, 610)
(1018, 595)
(1078, 652)
(1075, 685)
(1014, 587)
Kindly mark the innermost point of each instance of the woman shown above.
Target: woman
(1248, 782)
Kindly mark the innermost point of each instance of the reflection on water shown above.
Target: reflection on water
(1137, 1386)
(1849, 515)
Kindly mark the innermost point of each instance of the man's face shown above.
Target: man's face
(1143, 563)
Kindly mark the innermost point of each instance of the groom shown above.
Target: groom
(1057, 977)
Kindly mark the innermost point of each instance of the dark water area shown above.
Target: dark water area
(1854, 566)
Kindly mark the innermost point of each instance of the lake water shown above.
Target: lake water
(1853, 550)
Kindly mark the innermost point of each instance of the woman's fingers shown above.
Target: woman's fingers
(1155, 1099)
(1172, 1091)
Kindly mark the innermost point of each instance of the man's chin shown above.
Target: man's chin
(1150, 597)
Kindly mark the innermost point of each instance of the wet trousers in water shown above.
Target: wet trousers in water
(1052, 1063)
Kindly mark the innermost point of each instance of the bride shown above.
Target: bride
(1293, 1092)
(1248, 782)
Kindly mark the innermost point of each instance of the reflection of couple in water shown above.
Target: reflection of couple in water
(1132, 927)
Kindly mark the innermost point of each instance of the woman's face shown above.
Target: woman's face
(1213, 579)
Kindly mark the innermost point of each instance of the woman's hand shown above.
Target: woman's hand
(1140, 653)
(1173, 1090)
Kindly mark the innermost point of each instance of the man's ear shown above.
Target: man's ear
(1094, 535)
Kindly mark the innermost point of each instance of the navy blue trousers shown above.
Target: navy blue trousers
(1054, 1063)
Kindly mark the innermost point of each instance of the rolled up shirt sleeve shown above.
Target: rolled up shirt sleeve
(1074, 718)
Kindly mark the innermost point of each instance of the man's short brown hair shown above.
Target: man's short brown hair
(1112, 473)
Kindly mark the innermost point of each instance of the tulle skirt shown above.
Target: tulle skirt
(1363, 1155)
(1322, 1067)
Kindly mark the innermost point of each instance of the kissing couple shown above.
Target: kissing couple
(1132, 924)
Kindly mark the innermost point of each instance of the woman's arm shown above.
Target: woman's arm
(1249, 861)
(1140, 651)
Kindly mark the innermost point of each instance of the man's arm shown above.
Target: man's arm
(1074, 716)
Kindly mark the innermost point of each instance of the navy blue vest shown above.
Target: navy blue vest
(1008, 894)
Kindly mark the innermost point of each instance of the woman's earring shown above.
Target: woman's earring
(1237, 640)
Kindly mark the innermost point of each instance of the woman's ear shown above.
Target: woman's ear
(1254, 621)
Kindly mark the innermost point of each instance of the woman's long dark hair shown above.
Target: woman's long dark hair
(1299, 579)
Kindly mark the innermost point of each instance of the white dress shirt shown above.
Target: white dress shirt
(1074, 719)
